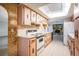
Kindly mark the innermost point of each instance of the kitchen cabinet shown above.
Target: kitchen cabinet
(45, 22)
(22, 46)
(71, 45)
(38, 19)
(27, 16)
(76, 36)
(26, 46)
(32, 47)
(47, 39)
(33, 17)
(24, 15)
(76, 47)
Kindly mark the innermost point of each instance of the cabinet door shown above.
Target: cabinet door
(33, 17)
(32, 48)
(38, 19)
(26, 19)
(46, 40)
(45, 22)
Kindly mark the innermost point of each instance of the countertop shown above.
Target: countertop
(30, 36)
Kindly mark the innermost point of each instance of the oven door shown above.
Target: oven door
(40, 43)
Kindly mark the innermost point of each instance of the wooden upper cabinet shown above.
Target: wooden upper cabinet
(33, 17)
(27, 16)
(38, 19)
(24, 15)
(26, 20)
(45, 22)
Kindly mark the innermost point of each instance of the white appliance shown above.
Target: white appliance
(68, 28)
(40, 43)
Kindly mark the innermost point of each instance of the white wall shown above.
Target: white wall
(3, 27)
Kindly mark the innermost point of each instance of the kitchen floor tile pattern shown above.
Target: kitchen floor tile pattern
(56, 48)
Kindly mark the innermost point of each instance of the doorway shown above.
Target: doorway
(58, 32)
(3, 31)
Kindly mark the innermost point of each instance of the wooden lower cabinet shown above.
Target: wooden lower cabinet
(76, 47)
(22, 46)
(26, 47)
(76, 51)
(32, 47)
(71, 45)
(47, 39)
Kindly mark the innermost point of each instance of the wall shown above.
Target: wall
(3, 27)
(3, 34)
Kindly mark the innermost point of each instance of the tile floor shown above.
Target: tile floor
(56, 48)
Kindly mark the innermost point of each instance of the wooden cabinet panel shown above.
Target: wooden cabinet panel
(71, 45)
(20, 15)
(27, 16)
(45, 22)
(38, 19)
(32, 48)
(23, 47)
(47, 39)
(77, 36)
(24, 15)
(33, 17)
(26, 47)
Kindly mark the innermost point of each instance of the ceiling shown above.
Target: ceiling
(55, 9)
(37, 5)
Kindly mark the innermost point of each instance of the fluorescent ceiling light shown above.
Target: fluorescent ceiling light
(50, 14)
